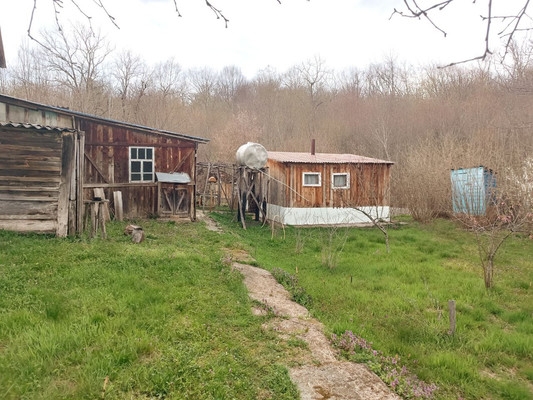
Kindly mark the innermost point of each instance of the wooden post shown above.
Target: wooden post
(241, 211)
(102, 205)
(99, 193)
(95, 212)
(119, 210)
(94, 218)
(451, 308)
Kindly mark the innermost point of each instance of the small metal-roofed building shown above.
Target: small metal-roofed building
(324, 189)
(111, 155)
(174, 195)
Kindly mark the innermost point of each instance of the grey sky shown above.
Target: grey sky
(261, 33)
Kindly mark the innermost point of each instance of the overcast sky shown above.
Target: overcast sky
(261, 33)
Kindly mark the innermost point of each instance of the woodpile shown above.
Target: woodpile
(136, 232)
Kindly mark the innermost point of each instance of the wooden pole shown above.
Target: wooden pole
(2, 54)
(119, 210)
(451, 308)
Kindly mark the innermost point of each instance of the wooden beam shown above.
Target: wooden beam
(96, 167)
(2, 54)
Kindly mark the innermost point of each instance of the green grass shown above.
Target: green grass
(398, 301)
(166, 318)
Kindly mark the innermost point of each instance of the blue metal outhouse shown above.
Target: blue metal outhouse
(473, 189)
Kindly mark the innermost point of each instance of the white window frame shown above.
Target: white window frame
(304, 174)
(142, 161)
(346, 174)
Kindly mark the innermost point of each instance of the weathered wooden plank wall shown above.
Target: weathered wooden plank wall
(30, 177)
(369, 185)
(107, 164)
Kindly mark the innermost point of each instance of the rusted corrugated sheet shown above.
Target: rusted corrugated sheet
(62, 112)
(323, 158)
(35, 126)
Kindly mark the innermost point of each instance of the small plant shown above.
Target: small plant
(333, 246)
(300, 242)
(290, 282)
(389, 369)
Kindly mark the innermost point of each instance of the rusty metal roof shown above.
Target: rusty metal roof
(62, 110)
(174, 177)
(35, 127)
(322, 158)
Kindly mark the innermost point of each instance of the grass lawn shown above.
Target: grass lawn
(168, 318)
(398, 301)
(109, 319)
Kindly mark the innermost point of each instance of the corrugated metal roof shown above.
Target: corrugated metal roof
(322, 158)
(174, 177)
(35, 126)
(110, 121)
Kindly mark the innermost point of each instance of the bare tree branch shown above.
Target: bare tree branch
(418, 12)
(217, 12)
(513, 24)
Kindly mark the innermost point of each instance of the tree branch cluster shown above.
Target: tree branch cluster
(510, 24)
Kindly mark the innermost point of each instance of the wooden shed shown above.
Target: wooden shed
(113, 156)
(39, 178)
(324, 189)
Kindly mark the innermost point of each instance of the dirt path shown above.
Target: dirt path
(318, 374)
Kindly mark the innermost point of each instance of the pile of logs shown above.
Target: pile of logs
(136, 232)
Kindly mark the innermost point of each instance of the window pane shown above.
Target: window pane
(135, 177)
(142, 154)
(147, 177)
(135, 166)
(311, 179)
(147, 166)
(149, 154)
(133, 153)
(340, 181)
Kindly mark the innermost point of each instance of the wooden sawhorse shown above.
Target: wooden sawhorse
(94, 212)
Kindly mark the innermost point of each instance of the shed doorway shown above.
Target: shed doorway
(174, 192)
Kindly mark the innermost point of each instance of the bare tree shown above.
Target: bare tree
(86, 9)
(350, 82)
(311, 81)
(230, 81)
(497, 214)
(30, 77)
(388, 79)
(75, 59)
(170, 79)
(507, 25)
(128, 70)
(375, 205)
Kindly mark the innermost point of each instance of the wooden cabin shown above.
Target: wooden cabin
(327, 189)
(88, 152)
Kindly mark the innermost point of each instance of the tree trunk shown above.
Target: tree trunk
(488, 268)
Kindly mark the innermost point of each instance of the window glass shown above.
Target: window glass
(311, 179)
(340, 180)
(135, 166)
(141, 164)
